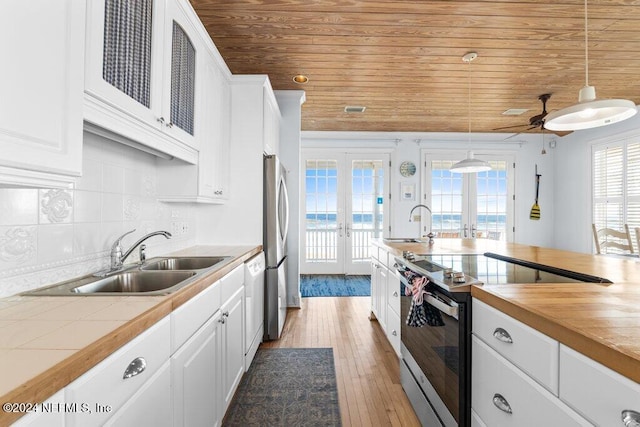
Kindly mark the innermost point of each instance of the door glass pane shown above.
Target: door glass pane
(321, 179)
(446, 199)
(491, 208)
(126, 62)
(367, 183)
(183, 74)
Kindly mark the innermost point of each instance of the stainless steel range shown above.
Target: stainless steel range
(436, 325)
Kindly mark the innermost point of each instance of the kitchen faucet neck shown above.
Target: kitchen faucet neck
(118, 256)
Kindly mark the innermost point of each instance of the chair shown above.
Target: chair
(609, 238)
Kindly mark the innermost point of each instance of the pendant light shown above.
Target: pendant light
(588, 112)
(470, 164)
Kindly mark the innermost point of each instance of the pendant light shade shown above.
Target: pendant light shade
(588, 112)
(470, 164)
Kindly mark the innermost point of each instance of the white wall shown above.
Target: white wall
(47, 236)
(407, 146)
(573, 186)
(289, 102)
(239, 220)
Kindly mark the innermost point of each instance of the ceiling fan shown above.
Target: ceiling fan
(536, 121)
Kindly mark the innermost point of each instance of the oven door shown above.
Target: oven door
(437, 352)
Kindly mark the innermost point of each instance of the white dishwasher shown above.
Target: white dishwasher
(253, 306)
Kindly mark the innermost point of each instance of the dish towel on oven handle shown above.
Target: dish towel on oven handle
(421, 313)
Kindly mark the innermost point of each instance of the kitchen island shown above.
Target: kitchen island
(598, 320)
(46, 342)
(601, 321)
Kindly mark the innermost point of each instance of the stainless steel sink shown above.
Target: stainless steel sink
(184, 263)
(159, 276)
(402, 240)
(135, 282)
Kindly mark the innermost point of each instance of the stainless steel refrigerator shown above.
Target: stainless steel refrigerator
(276, 225)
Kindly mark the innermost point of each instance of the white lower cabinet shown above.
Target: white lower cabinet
(49, 414)
(195, 377)
(150, 405)
(232, 337)
(503, 395)
(119, 379)
(603, 396)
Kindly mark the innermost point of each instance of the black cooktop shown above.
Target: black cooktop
(491, 268)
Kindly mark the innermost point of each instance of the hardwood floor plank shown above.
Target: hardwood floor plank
(367, 368)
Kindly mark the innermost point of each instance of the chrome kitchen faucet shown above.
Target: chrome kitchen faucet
(118, 257)
(430, 235)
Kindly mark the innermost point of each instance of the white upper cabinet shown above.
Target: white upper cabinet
(272, 118)
(143, 65)
(209, 181)
(41, 85)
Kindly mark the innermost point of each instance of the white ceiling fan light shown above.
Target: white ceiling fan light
(588, 112)
(470, 164)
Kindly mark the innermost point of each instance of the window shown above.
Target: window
(476, 205)
(616, 185)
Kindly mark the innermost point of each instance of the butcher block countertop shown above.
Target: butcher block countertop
(46, 342)
(601, 321)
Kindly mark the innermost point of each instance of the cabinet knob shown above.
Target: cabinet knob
(160, 120)
(394, 333)
(136, 367)
(395, 293)
(169, 125)
(501, 403)
(221, 320)
(502, 335)
(226, 314)
(630, 418)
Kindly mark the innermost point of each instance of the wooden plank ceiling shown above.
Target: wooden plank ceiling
(403, 59)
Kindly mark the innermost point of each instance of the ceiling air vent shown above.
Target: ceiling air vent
(354, 109)
(515, 111)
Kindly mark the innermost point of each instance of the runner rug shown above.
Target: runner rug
(287, 387)
(335, 285)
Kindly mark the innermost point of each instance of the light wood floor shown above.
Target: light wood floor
(367, 368)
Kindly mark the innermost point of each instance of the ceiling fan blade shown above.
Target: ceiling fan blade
(509, 137)
(510, 127)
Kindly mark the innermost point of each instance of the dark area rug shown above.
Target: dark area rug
(335, 285)
(287, 387)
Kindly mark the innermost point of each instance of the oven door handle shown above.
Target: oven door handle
(443, 307)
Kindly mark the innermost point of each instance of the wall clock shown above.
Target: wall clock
(407, 169)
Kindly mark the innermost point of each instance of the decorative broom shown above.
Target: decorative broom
(535, 209)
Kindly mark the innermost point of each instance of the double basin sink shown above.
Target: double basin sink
(158, 276)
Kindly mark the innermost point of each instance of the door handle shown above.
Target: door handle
(348, 228)
(473, 231)
(465, 231)
(340, 230)
(502, 335)
(136, 367)
(501, 403)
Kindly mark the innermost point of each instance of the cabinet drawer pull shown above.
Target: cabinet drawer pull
(221, 320)
(226, 313)
(501, 403)
(630, 418)
(136, 367)
(502, 335)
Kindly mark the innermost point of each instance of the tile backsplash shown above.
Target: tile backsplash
(51, 235)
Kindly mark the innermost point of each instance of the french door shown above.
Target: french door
(474, 205)
(345, 207)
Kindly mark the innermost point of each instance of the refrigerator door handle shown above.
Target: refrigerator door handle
(286, 209)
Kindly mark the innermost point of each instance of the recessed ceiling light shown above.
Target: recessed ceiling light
(300, 79)
(515, 111)
(354, 109)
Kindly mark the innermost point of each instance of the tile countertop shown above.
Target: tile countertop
(601, 321)
(46, 342)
